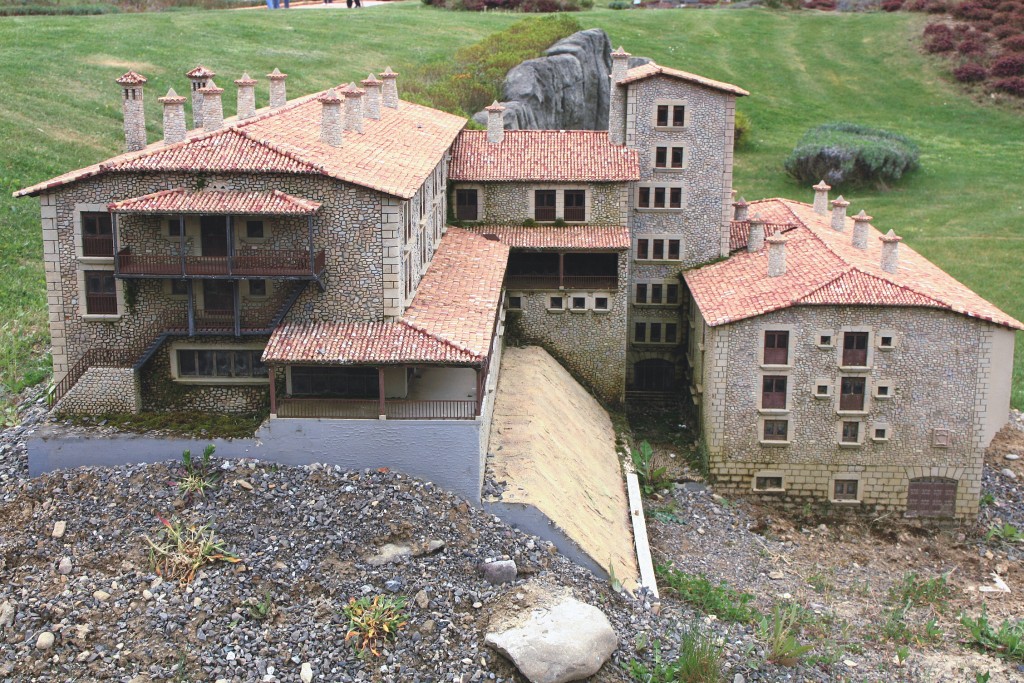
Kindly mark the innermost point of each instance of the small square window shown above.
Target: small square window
(768, 483)
(515, 303)
(579, 303)
(845, 489)
(851, 433)
(174, 228)
(883, 391)
(776, 430)
(881, 434)
(556, 303)
(885, 341)
(179, 288)
(825, 340)
(257, 287)
(600, 303)
(254, 230)
(821, 390)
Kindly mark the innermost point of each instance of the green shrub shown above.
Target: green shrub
(1007, 533)
(619, 4)
(724, 602)
(651, 478)
(851, 154)
(743, 126)
(913, 590)
(699, 661)
(1006, 642)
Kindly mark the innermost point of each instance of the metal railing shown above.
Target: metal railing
(369, 409)
(99, 245)
(262, 263)
(603, 282)
(101, 303)
(576, 214)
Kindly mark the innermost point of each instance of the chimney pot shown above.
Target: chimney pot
(174, 117)
(839, 213)
(740, 210)
(213, 107)
(890, 252)
(617, 99)
(134, 112)
(821, 197)
(246, 97)
(776, 255)
(860, 230)
(755, 241)
(353, 108)
(371, 101)
(390, 79)
(278, 96)
(200, 77)
(495, 122)
(330, 118)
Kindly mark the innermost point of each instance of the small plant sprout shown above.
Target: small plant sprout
(374, 621)
(779, 631)
(987, 499)
(1006, 533)
(699, 661)
(262, 609)
(1007, 641)
(902, 652)
(652, 479)
(179, 550)
(198, 476)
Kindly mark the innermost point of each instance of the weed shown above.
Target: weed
(987, 499)
(261, 610)
(1007, 533)
(667, 514)
(1007, 641)
(180, 550)
(983, 677)
(699, 661)
(779, 631)
(652, 479)
(913, 590)
(374, 621)
(902, 652)
(9, 417)
(819, 582)
(199, 475)
(724, 602)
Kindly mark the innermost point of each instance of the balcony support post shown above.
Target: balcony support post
(380, 390)
(312, 253)
(273, 391)
(181, 251)
(113, 236)
(561, 270)
(236, 305)
(230, 228)
(191, 309)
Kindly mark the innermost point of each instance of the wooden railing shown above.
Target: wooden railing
(109, 358)
(369, 409)
(99, 245)
(101, 303)
(262, 263)
(604, 282)
(576, 213)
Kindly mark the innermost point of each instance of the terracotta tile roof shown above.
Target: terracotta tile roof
(217, 201)
(451, 320)
(824, 268)
(394, 154)
(638, 73)
(543, 155)
(580, 237)
(200, 72)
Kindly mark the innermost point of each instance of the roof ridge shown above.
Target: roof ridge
(422, 330)
(283, 152)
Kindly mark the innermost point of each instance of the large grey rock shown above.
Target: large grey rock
(388, 554)
(500, 571)
(560, 640)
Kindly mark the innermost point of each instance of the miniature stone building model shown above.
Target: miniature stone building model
(350, 257)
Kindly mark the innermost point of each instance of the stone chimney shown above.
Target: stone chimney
(495, 122)
(821, 198)
(776, 255)
(390, 79)
(353, 108)
(134, 113)
(246, 97)
(213, 107)
(755, 241)
(278, 97)
(200, 78)
(371, 101)
(174, 117)
(860, 230)
(330, 118)
(617, 98)
(839, 213)
(890, 252)
(740, 210)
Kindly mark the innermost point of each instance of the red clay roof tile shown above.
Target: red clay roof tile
(638, 73)
(582, 237)
(180, 200)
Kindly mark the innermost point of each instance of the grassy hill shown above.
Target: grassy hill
(963, 210)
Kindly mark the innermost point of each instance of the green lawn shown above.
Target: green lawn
(963, 209)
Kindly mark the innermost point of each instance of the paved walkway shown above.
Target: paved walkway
(554, 446)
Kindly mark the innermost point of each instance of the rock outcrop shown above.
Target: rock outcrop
(568, 89)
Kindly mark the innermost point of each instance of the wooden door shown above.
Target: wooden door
(214, 235)
(931, 497)
(218, 297)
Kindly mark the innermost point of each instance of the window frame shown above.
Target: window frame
(509, 296)
(476, 203)
(177, 376)
(762, 426)
(775, 332)
(842, 433)
(647, 195)
(767, 477)
(663, 299)
(662, 243)
(772, 396)
(842, 349)
(537, 192)
(852, 381)
(846, 479)
(674, 120)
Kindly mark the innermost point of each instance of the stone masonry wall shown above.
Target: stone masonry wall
(591, 344)
(102, 390)
(932, 375)
(503, 203)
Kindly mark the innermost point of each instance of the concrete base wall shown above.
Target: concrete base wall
(531, 520)
(102, 390)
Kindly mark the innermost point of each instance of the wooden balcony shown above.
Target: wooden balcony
(370, 409)
(263, 263)
(588, 282)
(98, 245)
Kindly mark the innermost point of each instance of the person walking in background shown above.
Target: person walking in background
(348, 3)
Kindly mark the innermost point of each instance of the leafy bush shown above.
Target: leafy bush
(970, 73)
(938, 44)
(1007, 641)
(1011, 86)
(971, 46)
(892, 5)
(1005, 532)
(914, 590)
(851, 154)
(651, 478)
(373, 622)
(938, 30)
(619, 4)
(1008, 66)
(724, 602)
(743, 127)
(1014, 44)
(699, 661)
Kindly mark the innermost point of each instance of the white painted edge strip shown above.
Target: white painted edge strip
(643, 548)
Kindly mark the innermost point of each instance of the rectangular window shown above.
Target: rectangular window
(656, 290)
(671, 294)
(336, 382)
(844, 489)
(659, 198)
(407, 265)
(257, 287)
(675, 198)
(643, 249)
(575, 205)
(654, 333)
(673, 250)
(883, 391)
(776, 347)
(173, 227)
(825, 340)
(544, 205)
(773, 392)
(851, 395)
(179, 288)
(881, 434)
(515, 303)
(670, 333)
(677, 157)
(776, 430)
(97, 235)
(662, 115)
(641, 292)
(851, 432)
(644, 197)
(100, 292)
(466, 206)
(885, 341)
(768, 483)
(640, 332)
(221, 363)
(821, 390)
(855, 349)
(556, 303)
(670, 116)
(678, 116)
(600, 303)
(658, 252)
(254, 230)
(648, 249)
(661, 157)
(579, 303)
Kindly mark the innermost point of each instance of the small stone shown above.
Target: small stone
(1012, 456)
(7, 612)
(147, 594)
(243, 484)
(421, 599)
(388, 553)
(44, 641)
(59, 528)
(306, 673)
(102, 596)
(1008, 473)
(776, 575)
(64, 567)
(428, 627)
(393, 585)
(850, 663)
(502, 571)
(738, 678)
(477, 605)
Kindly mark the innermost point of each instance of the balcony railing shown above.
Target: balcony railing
(262, 263)
(219, 320)
(544, 213)
(369, 409)
(101, 245)
(590, 282)
(101, 303)
(576, 214)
